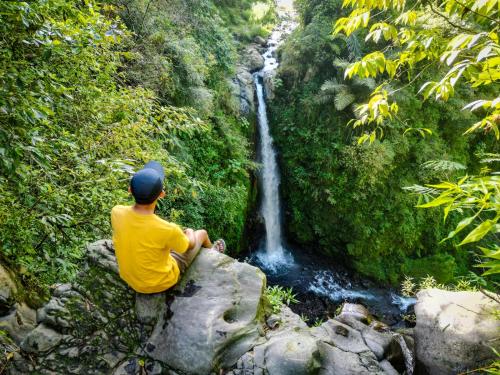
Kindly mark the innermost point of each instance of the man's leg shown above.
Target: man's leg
(199, 239)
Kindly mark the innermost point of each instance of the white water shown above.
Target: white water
(273, 256)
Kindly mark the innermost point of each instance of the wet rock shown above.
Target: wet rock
(455, 330)
(19, 323)
(41, 339)
(213, 324)
(354, 311)
(269, 84)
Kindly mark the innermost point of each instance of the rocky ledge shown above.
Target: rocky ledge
(217, 320)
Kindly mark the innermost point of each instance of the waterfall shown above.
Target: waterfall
(273, 255)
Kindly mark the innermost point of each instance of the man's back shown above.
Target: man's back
(143, 243)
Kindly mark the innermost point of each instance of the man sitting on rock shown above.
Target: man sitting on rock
(150, 251)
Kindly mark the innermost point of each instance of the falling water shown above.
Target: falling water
(273, 255)
(305, 272)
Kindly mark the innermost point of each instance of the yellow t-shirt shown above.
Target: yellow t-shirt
(142, 245)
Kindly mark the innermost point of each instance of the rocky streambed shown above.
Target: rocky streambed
(218, 321)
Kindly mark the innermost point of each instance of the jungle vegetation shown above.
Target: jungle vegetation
(383, 106)
(89, 91)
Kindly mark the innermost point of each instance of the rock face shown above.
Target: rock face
(243, 91)
(214, 319)
(455, 331)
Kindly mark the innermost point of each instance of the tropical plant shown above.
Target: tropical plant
(279, 296)
(459, 40)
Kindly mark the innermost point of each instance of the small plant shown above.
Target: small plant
(429, 282)
(318, 322)
(410, 318)
(338, 310)
(408, 287)
(278, 296)
(304, 318)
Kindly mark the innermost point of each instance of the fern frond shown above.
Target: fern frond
(343, 99)
(354, 47)
(341, 64)
(333, 86)
(443, 165)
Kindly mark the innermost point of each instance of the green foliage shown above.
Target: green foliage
(86, 100)
(459, 42)
(345, 199)
(279, 296)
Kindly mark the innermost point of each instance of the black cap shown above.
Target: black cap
(147, 184)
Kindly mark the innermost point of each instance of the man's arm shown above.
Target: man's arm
(191, 237)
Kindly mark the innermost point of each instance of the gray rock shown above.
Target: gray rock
(41, 339)
(54, 313)
(354, 311)
(113, 358)
(377, 341)
(102, 254)
(289, 320)
(148, 306)
(260, 41)
(273, 321)
(455, 330)
(214, 317)
(387, 367)
(252, 59)
(337, 361)
(8, 287)
(245, 91)
(72, 352)
(128, 367)
(269, 87)
(19, 323)
(292, 352)
(341, 336)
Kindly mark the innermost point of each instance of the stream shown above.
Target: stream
(320, 284)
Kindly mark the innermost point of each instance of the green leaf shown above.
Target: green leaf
(460, 226)
(439, 201)
(479, 232)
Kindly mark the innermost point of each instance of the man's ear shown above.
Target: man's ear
(162, 194)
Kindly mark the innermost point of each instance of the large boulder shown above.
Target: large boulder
(213, 318)
(98, 325)
(455, 331)
(252, 58)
